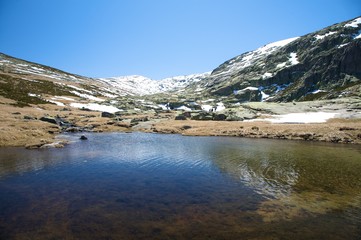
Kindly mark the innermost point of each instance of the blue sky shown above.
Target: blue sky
(155, 38)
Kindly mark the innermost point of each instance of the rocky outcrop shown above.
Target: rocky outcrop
(321, 65)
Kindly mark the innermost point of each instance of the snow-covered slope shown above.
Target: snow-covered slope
(139, 85)
(247, 59)
(321, 65)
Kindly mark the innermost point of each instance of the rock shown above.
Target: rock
(187, 114)
(234, 118)
(346, 129)
(49, 120)
(181, 117)
(16, 113)
(204, 116)
(26, 117)
(185, 127)
(137, 120)
(73, 129)
(53, 145)
(249, 95)
(107, 115)
(123, 124)
(46, 144)
(83, 137)
(33, 145)
(219, 117)
(174, 105)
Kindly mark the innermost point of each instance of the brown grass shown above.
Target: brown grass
(15, 130)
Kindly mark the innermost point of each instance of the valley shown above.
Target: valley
(302, 88)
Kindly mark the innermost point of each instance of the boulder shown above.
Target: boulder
(219, 117)
(181, 117)
(249, 95)
(204, 116)
(48, 119)
(107, 115)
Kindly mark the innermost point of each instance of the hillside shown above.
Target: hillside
(322, 65)
(307, 79)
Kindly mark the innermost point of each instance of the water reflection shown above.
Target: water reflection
(296, 178)
(148, 186)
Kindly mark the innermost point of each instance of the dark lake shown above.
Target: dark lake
(153, 186)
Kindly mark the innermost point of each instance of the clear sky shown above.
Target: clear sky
(155, 38)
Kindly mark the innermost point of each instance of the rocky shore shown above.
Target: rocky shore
(34, 127)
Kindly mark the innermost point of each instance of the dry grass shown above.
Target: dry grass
(336, 130)
(17, 130)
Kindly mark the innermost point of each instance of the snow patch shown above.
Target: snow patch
(220, 107)
(281, 65)
(96, 107)
(267, 75)
(320, 37)
(358, 36)
(318, 91)
(33, 95)
(354, 23)
(63, 98)
(57, 103)
(264, 96)
(343, 45)
(87, 96)
(245, 89)
(80, 89)
(308, 117)
(184, 108)
(293, 58)
(206, 108)
(163, 106)
(109, 95)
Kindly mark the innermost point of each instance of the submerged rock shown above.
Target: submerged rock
(83, 137)
(46, 144)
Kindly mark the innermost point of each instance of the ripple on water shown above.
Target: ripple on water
(168, 186)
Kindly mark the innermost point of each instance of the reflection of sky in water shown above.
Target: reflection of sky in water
(175, 175)
(296, 177)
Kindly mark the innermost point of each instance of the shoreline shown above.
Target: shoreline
(337, 131)
(333, 131)
(27, 127)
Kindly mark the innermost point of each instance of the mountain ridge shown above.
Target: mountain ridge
(304, 80)
(325, 64)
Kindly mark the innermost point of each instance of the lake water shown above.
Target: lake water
(152, 186)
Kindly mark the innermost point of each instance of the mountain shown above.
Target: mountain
(322, 65)
(139, 85)
(325, 64)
